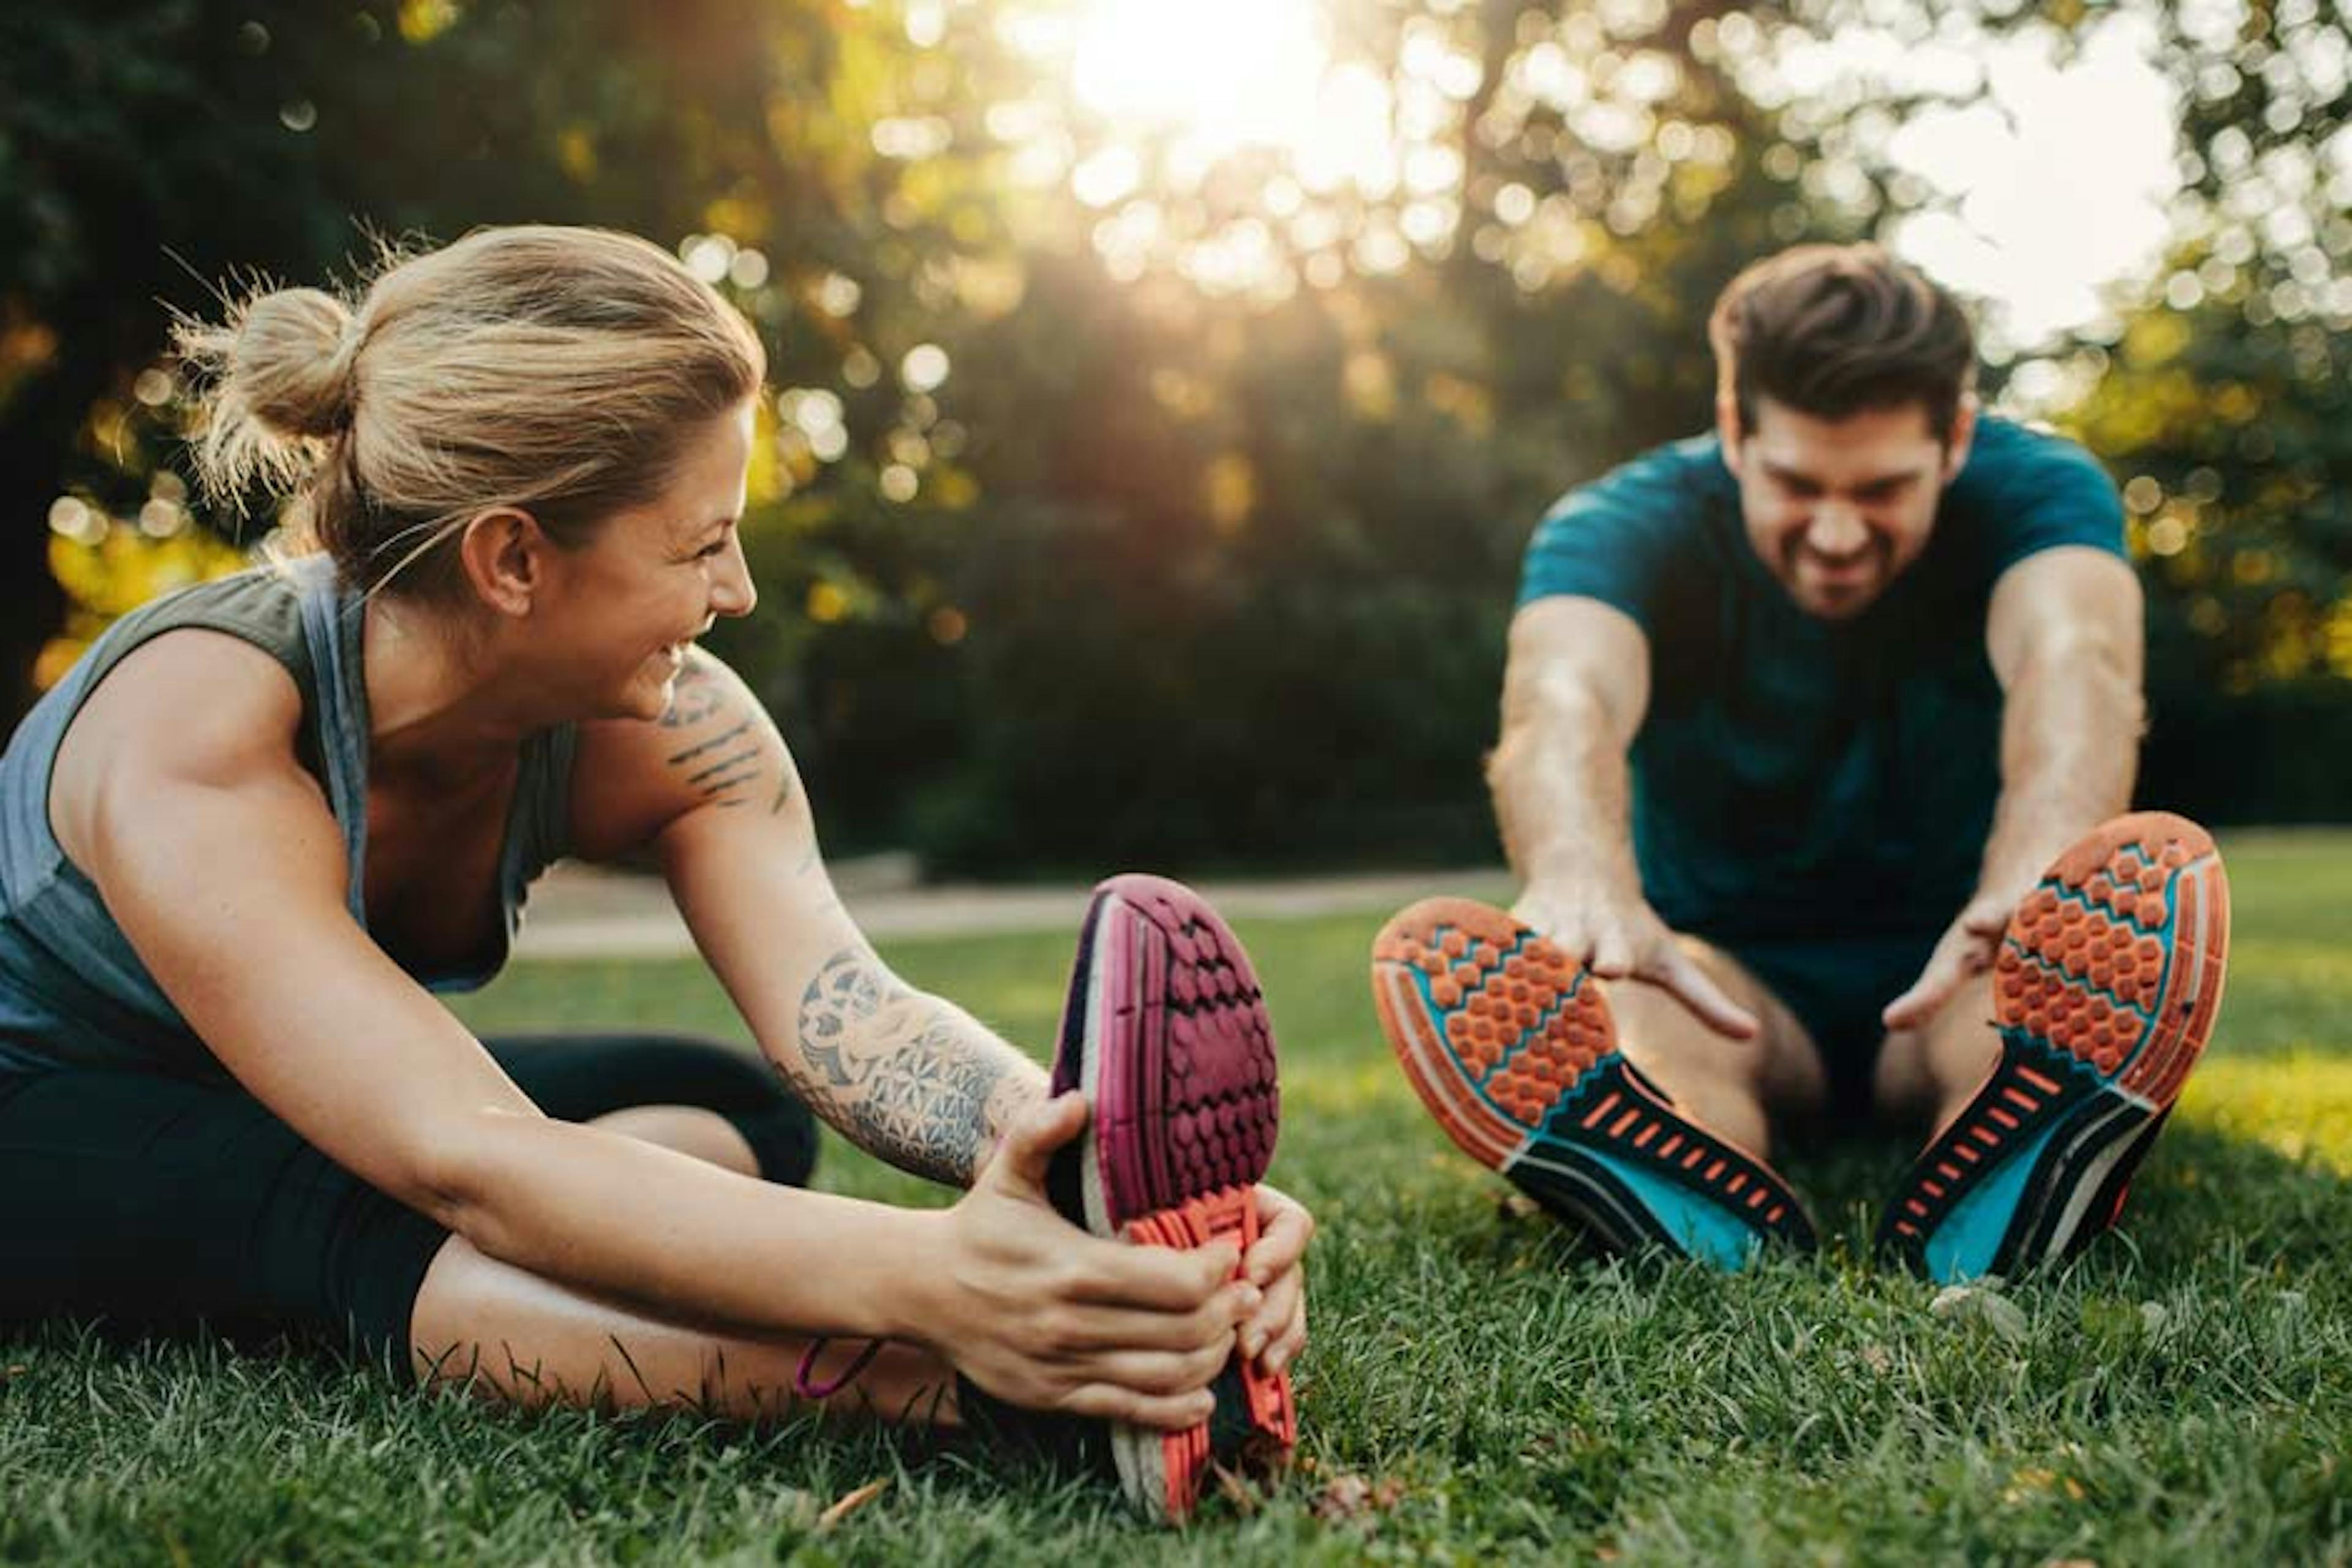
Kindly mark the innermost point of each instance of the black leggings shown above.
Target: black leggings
(159, 1202)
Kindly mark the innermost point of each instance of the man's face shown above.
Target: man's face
(1836, 509)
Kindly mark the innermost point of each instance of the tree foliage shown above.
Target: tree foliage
(1120, 499)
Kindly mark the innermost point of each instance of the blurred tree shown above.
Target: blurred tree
(1137, 490)
(124, 132)
(1259, 454)
(161, 145)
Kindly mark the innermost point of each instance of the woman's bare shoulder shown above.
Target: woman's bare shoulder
(189, 705)
(715, 749)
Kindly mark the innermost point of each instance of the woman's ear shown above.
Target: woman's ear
(505, 557)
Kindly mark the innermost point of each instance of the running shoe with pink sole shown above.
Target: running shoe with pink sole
(1509, 1043)
(2104, 992)
(1166, 1033)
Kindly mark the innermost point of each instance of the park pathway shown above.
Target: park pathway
(583, 913)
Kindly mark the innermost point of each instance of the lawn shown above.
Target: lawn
(1477, 1389)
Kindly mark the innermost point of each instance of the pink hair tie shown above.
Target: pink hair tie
(804, 1383)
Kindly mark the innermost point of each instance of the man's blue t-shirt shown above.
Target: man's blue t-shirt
(1798, 778)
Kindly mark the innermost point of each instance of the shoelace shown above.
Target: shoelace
(804, 1383)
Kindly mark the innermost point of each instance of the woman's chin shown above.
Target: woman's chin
(650, 696)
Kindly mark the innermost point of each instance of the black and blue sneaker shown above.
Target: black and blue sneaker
(1509, 1043)
(2104, 991)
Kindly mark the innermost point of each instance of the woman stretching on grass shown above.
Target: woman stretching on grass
(260, 824)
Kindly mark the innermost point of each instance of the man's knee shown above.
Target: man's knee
(1659, 1032)
(1921, 1072)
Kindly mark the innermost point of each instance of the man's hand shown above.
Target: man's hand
(1621, 936)
(1965, 950)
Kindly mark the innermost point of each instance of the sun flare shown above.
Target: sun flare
(1223, 74)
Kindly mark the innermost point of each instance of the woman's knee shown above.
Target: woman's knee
(593, 1077)
(782, 1138)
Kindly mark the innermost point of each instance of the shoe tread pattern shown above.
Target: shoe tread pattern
(2105, 988)
(1511, 1044)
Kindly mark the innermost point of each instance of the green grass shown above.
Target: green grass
(2183, 1394)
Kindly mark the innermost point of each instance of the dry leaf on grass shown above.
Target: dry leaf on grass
(851, 1502)
(1983, 1304)
(1350, 1496)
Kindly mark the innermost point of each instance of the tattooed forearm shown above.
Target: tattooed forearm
(910, 1079)
(926, 1108)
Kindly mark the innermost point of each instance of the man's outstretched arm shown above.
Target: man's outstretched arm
(2064, 635)
(1575, 690)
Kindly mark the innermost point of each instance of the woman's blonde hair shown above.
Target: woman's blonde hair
(556, 371)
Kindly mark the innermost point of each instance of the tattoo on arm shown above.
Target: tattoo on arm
(723, 768)
(910, 1079)
(695, 698)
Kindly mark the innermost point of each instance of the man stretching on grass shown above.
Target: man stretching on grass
(1815, 731)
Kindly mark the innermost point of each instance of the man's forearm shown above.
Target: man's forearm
(2070, 750)
(1563, 794)
(910, 1079)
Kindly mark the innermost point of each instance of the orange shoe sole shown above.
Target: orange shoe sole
(1509, 1044)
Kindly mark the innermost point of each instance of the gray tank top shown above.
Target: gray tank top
(72, 992)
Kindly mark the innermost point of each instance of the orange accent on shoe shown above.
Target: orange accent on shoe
(2096, 980)
(1230, 1214)
(1528, 1063)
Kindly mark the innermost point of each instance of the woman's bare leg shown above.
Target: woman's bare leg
(511, 1334)
(505, 1332)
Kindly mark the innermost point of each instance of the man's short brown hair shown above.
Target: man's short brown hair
(1831, 330)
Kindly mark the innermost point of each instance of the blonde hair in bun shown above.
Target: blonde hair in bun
(556, 371)
(281, 373)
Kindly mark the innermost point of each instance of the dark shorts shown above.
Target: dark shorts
(1837, 988)
(160, 1203)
